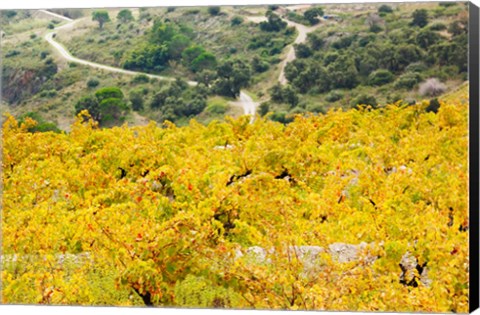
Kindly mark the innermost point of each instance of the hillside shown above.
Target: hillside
(333, 61)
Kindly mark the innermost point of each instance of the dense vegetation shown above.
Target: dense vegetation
(154, 215)
(381, 56)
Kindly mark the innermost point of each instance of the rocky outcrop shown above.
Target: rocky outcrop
(411, 271)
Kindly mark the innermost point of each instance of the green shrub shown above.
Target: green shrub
(316, 108)
(92, 83)
(44, 54)
(380, 77)
(140, 78)
(334, 96)
(264, 108)
(236, 20)
(136, 100)
(214, 10)
(408, 80)
(41, 126)
(12, 53)
(385, 9)
(281, 117)
(364, 99)
(438, 26)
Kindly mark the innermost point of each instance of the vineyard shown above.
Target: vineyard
(216, 215)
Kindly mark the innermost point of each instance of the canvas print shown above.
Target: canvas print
(283, 157)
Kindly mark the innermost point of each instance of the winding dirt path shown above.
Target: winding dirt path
(247, 103)
(50, 38)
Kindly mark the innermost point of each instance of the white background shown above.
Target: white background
(53, 310)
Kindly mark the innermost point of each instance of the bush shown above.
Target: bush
(44, 54)
(170, 9)
(364, 99)
(316, 108)
(140, 78)
(12, 53)
(215, 10)
(302, 51)
(416, 67)
(263, 109)
(420, 18)
(48, 93)
(33, 36)
(432, 87)
(281, 117)
(408, 80)
(92, 83)
(438, 26)
(380, 77)
(50, 26)
(236, 20)
(258, 65)
(312, 14)
(375, 28)
(136, 100)
(385, 9)
(41, 126)
(334, 96)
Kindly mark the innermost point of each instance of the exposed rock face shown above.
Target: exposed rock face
(408, 277)
(310, 256)
(345, 252)
(341, 253)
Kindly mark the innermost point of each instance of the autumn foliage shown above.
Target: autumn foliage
(155, 215)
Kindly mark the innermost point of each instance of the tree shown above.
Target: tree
(177, 45)
(162, 32)
(302, 51)
(106, 106)
(108, 92)
(204, 61)
(420, 18)
(125, 16)
(276, 93)
(89, 103)
(232, 76)
(273, 24)
(206, 76)
(312, 14)
(426, 38)
(258, 65)
(101, 17)
(191, 53)
(290, 96)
